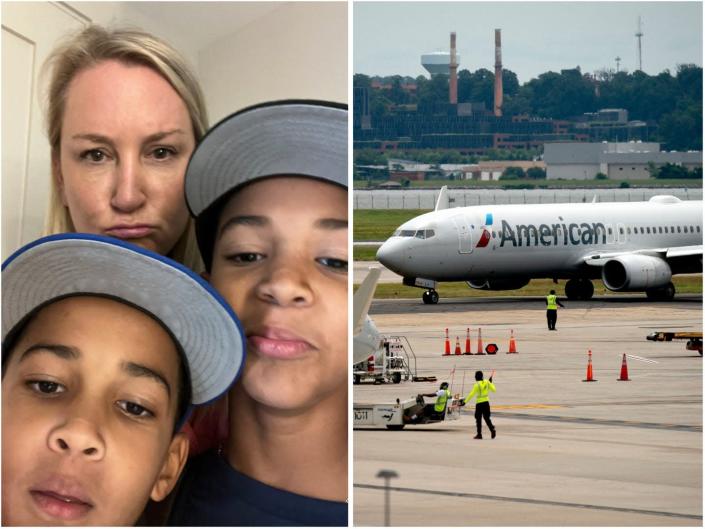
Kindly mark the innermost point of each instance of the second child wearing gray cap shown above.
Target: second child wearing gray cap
(268, 187)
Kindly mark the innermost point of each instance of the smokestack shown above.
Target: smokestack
(453, 84)
(498, 92)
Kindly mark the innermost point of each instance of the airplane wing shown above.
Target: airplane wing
(599, 259)
(363, 298)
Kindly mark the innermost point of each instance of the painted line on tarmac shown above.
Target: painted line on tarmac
(601, 422)
(531, 501)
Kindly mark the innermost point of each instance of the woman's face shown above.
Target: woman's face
(280, 260)
(126, 138)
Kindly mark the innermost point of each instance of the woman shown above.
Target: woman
(124, 114)
(268, 186)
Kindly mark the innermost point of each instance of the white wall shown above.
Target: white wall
(299, 50)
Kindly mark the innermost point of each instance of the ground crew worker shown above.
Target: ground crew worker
(552, 305)
(481, 389)
(438, 409)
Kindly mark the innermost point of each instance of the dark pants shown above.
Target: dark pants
(551, 316)
(482, 410)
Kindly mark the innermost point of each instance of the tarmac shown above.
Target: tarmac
(567, 452)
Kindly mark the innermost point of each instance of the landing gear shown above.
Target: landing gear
(430, 297)
(580, 288)
(662, 293)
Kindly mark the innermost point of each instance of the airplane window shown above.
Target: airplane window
(621, 231)
(430, 233)
(679, 229)
(673, 229)
(697, 228)
(420, 234)
(691, 229)
(648, 230)
(654, 229)
(407, 233)
(629, 230)
(642, 230)
(609, 231)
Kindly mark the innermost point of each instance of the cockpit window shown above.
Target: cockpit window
(424, 234)
(419, 234)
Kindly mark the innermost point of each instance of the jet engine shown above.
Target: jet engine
(635, 272)
(512, 283)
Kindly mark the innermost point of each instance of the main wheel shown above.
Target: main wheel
(572, 289)
(586, 289)
(666, 293)
(433, 296)
(426, 297)
(396, 378)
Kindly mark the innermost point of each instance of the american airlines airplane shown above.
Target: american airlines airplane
(632, 246)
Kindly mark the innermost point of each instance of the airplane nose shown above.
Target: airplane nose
(391, 255)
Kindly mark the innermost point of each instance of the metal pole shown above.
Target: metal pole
(387, 475)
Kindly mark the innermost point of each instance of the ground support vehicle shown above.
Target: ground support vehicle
(395, 362)
(397, 415)
(694, 343)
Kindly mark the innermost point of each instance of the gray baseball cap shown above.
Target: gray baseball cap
(206, 329)
(293, 138)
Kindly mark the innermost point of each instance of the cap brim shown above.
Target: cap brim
(63, 265)
(304, 138)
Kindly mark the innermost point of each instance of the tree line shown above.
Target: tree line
(672, 101)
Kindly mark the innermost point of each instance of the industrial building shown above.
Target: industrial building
(617, 160)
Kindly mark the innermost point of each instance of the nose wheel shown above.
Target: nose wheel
(430, 297)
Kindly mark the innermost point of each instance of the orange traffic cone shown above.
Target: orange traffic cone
(589, 368)
(457, 346)
(447, 347)
(623, 375)
(479, 342)
(467, 342)
(512, 344)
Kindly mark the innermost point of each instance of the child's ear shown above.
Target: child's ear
(171, 470)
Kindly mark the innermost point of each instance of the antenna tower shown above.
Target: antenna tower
(617, 60)
(638, 36)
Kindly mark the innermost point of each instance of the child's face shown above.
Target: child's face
(89, 398)
(280, 259)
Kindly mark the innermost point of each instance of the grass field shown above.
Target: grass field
(687, 284)
(379, 224)
(543, 184)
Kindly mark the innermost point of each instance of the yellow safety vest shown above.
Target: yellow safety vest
(551, 298)
(441, 401)
(482, 389)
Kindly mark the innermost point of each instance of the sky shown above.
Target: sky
(389, 37)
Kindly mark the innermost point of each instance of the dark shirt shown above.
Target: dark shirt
(213, 493)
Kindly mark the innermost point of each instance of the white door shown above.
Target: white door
(30, 30)
(464, 236)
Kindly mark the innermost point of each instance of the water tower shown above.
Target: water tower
(437, 62)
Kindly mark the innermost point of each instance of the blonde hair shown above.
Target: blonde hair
(89, 47)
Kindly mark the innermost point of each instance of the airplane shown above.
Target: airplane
(366, 338)
(631, 246)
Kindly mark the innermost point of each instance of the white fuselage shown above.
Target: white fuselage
(541, 240)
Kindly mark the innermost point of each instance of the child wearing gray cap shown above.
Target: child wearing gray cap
(106, 346)
(268, 188)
